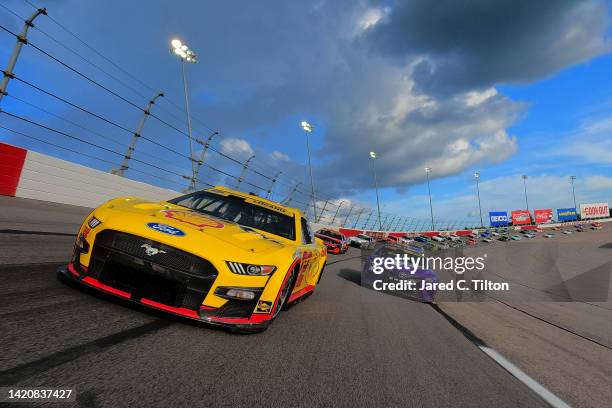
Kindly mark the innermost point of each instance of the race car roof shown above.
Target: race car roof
(255, 199)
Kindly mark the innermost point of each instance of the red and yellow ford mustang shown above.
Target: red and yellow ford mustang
(218, 255)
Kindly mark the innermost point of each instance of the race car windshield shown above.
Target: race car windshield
(235, 209)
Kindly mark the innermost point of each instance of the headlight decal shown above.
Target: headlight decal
(250, 269)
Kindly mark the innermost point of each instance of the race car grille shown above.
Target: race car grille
(171, 277)
(142, 284)
(164, 255)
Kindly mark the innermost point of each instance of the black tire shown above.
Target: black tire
(283, 301)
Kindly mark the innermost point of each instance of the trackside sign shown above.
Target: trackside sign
(595, 210)
(567, 214)
(521, 217)
(498, 218)
(543, 216)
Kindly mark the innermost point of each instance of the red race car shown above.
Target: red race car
(335, 242)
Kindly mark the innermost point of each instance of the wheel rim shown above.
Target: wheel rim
(283, 295)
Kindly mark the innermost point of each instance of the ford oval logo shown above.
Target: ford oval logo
(166, 229)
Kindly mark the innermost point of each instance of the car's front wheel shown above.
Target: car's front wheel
(285, 292)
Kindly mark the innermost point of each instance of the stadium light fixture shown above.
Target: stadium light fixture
(308, 129)
(373, 168)
(185, 54)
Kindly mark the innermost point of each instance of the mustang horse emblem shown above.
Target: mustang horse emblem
(152, 251)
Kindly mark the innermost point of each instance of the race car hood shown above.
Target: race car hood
(172, 219)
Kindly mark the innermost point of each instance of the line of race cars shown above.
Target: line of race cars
(337, 243)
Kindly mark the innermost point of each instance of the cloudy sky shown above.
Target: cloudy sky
(500, 87)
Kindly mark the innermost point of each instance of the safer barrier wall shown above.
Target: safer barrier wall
(28, 174)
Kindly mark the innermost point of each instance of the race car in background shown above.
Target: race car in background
(218, 256)
(335, 242)
(369, 278)
(360, 240)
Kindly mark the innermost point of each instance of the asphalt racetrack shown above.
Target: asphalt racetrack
(343, 346)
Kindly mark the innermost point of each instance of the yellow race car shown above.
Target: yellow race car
(218, 255)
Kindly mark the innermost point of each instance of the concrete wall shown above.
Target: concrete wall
(46, 178)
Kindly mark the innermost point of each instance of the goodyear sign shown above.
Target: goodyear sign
(498, 218)
(567, 214)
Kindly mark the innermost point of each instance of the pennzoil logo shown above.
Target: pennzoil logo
(192, 218)
(263, 306)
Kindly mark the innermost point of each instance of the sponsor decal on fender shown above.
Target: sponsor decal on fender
(192, 218)
(263, 306)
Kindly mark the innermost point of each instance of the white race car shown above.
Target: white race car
(360, 240)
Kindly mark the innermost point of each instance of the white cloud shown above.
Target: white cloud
(372, 17)
(276, 155)
(236, 146)
(591, 142)
(475, 98)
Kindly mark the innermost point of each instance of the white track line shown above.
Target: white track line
(533, 385)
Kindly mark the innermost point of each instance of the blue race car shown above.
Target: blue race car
(397, 276)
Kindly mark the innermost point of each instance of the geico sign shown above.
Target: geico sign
(499, 218)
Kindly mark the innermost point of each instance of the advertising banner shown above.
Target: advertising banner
(521, 217)
(498, 218)
(567, 214)
(543, 216)
(595, 210)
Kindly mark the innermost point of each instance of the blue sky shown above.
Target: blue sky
(505, 91)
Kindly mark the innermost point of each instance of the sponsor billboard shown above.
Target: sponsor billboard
(567, 214)
(594, 210)
(521, 217)
(498, 218)
(543, 216)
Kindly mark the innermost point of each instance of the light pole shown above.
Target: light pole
(572, 179)
(373, 168)
(524, 177)
(427, 171)
(308, 129)
(21, 40)
(337, 210)
(477, 177)
(186, 55)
